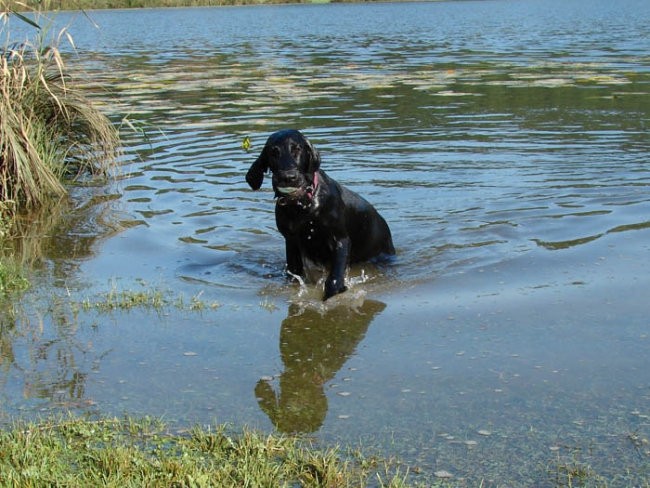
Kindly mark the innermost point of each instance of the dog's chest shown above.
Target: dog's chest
(303, 226)
(316, 242)
(308, 229)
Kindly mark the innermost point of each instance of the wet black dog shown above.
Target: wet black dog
(321, 221)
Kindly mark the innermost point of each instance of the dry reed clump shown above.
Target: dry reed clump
(49, 131)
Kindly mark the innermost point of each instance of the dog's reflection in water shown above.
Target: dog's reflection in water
(314, 345)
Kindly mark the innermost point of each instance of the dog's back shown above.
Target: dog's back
(369, 232)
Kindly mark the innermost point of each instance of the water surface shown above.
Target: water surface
(505, 143)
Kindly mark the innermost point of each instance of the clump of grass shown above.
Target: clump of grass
(573, 472)
(11, 278)
(50, 131)
(128, 299)
(145, 298)
(127, 452)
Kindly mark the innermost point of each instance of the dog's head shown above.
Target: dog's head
(292, 160)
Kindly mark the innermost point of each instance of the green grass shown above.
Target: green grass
(128, 453)
(145, 298)
(11, 278)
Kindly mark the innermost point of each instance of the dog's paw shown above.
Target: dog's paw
(333, 287)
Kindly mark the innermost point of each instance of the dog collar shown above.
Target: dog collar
(311, 190)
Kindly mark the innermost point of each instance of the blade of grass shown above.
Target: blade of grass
(25, 19)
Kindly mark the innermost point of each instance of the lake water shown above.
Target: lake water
(506, 144)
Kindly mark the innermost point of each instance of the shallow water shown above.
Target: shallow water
(504, 142)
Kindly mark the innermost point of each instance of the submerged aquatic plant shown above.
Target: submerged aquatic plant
(50, 132)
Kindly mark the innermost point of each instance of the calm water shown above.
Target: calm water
(506, 144)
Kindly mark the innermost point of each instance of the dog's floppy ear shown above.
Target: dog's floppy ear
(314, 157)
(255, 175)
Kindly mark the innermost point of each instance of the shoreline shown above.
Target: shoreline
(54, 6)
(76, 5)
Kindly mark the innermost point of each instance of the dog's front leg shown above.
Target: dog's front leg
(335, 282)
(294, 258)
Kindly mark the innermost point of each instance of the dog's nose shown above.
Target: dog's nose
(291, 177)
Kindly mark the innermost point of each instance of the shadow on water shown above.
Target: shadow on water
(314, 345)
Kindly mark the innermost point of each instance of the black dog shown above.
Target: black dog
(321, 221)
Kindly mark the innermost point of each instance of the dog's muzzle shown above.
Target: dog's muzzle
(302, 196)
(295, 196)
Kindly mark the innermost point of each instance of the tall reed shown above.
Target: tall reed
(50, 131)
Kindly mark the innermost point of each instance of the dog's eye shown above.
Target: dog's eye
(275, 152)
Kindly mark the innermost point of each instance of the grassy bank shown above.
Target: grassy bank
(111, 452)
(50, 132)
(103, 4)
